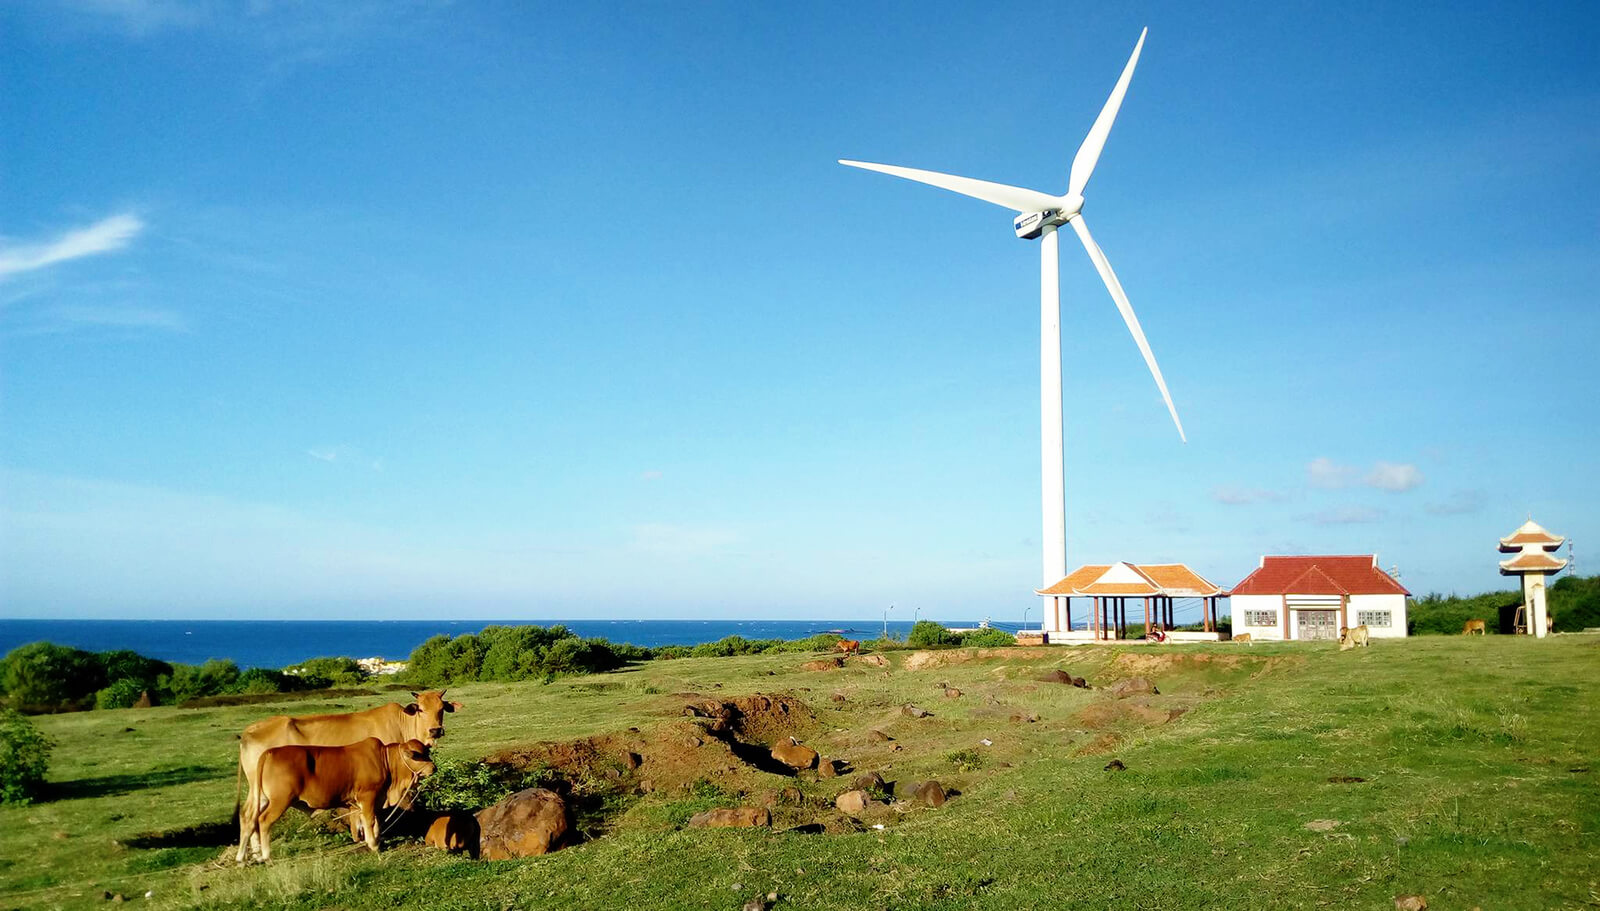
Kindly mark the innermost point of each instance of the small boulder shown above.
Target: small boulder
(853, 802)
(732, 818)
(871, 781)
(526, 824)
(1410, 903)
(794, 755)
(914, 711)
(877, 736)
(1133, 686)
(1116, 765)
(929, 793)
(827, 768)
(952, 693)
(1023, 718)
(838, 697)
(1056, 676)
(453, 832)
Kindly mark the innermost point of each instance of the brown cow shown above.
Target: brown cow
(848, 646)
(422, 721)
(1350, 637)
(1473, 626)
(367, 776)
(1244, 637)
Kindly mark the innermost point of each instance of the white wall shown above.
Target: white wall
(1394, 604)
(1241, 605)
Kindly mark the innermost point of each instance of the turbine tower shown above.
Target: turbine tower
(1039, 215)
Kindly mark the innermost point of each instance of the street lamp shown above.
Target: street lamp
(886, 620)
(1025, 618)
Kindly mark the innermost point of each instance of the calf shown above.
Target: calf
(1473, 626)
(1350, 637)
(1243, 637)
(848, 646)
(366, 776)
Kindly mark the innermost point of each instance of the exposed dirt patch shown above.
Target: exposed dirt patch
(918, 661)
(1100, 745)
(1101, 715)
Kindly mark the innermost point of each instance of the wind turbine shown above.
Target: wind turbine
(1039, 215)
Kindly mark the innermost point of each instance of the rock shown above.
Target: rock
(871, 781)
(794, 755)
(453, 832)
(823, 664)
(826, 768)
(756, 904)
(853, 802)
(952, 693)
(631, 760)
(877, 736)
(526, 824)
(914, 711)
(1024, 717)
(1080, 683)
(734, 818)
(1115, 765)
(930, 793)
(1133, 686)
(838, 697)
(1410, 903)
(1056, 676)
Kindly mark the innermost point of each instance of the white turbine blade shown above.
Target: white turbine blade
(1016, 199)
(1089, 153)
(1121, 298)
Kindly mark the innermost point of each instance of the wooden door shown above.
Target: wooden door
(1319, 624)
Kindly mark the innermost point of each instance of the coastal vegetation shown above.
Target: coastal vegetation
(1574, 606)
(1282, 775)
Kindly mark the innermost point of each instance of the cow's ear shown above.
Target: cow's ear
(451, 706)
(411, 709)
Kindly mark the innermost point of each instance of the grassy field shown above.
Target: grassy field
(1476, 758)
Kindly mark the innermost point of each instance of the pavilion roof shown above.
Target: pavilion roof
(1174, 580)
(1335, 575)
(1531, 561)
(1530, 535)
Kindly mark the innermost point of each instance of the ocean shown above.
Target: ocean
(280, 643)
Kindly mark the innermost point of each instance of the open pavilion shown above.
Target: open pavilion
(1110, 586)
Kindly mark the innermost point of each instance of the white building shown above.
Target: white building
(1313, 597)
(1534, 548)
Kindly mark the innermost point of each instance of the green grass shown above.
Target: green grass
(1464, 746)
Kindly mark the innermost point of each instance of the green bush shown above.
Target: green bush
(988, 638)
(24, 759)
(928, 634)
(460, 785)
(48, 676)
(1575, 603)
(121, 694)
(321, 673)
(188, 681)
(509, 653)
(669, 652)
(127, 665)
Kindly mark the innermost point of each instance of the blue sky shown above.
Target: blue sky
(566, 310)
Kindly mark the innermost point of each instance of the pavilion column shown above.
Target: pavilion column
(1344, 612)
(1147, 616)
(1284, 599)
(1122, 618)
(1094, 617)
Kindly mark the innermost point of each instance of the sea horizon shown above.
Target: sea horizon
(282, 643)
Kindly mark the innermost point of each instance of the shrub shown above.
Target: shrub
(188, 681)
(514, 653)
(123, 664)
(988, 638)
(46, 675)
(460, 785)
(121, 694)
(24, 759)
(322, 673)
(669, 652)
(928, 634)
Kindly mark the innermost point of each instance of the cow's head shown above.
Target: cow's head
(427, 715)
(409, 763)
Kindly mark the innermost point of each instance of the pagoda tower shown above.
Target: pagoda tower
(1533, 548)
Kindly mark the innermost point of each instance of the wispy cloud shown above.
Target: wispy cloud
(75, 316)
(1459, 503)
(1230, 495)
(143, 17)
(1346, 515)
(650, 475)
(1395, 477)
(344, 455)
(103, 236)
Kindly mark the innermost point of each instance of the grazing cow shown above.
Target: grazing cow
(367, 776)
(1243, 637)
(1350, 637)
(1473, 626)
(848, 646)
(422, 720)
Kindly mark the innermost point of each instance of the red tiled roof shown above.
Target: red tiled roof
(1530, 533)
(1339, 575)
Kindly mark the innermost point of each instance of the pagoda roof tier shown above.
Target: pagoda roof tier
(1531, 562)
(1320, 575)
(1530, 535)
(1172, 580)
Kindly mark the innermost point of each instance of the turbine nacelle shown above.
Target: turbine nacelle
(1032, 225)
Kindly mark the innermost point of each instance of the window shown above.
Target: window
(1260, 618)
(1374, 618)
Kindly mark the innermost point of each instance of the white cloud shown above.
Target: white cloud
(1393, 477)
(103, 236)
(1243, 496)
(1325, 473)
(118, 318)
(344, 455)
